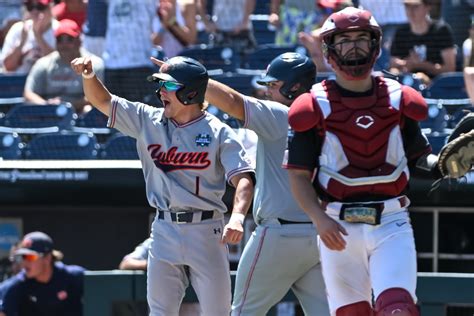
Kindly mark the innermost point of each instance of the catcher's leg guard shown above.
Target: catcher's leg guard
(395, 302)
(362, 308)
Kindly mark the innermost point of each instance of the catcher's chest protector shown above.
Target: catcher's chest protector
(363, 148)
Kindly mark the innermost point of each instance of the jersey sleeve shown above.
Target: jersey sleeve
(233, 157)
(303, 150)
(127, 116)
(141, 251)
(266, 118)
(415, 142)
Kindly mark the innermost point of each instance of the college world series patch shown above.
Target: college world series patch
(203, 140)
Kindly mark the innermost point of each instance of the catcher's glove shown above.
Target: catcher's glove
(465, 125)
(457, 156)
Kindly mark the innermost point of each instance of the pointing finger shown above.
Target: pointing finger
(157, 61)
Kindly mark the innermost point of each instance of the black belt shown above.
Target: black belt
(185, 217)
(285, 222)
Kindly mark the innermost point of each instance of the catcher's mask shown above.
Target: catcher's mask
(347, 20)
(291, 68)
(184, 75)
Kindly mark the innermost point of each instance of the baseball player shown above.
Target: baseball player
(282, 252)
(187, 156)
(360, 133)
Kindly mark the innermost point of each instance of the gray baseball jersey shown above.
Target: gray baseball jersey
(289, 251)
(273, 199)
(185, 166)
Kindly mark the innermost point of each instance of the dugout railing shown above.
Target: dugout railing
(105, 292)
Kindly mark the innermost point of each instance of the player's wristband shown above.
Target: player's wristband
(237, 217)
(89, 75)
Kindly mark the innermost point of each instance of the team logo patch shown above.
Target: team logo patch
(365, 121)
(203, 140)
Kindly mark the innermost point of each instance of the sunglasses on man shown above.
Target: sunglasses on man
(169, 86)
(30, 257)
(35, 6)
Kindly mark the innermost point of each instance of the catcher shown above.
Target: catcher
(356, 141)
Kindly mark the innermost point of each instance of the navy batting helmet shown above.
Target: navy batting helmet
(188, 72)
(291, 68)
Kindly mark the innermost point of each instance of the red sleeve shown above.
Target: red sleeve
(413, 104)
(304, 114)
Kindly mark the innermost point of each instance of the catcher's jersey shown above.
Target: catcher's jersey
(185, 166)
(273, 198)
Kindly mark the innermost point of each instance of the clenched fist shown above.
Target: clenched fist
(82, 65)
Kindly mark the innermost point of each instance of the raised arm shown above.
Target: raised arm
(94, 89)
(226, 99)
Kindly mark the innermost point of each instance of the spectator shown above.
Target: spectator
(312, 41)
(137, 260)
(95, 27)
(45, 286)
(423, 46)
(390, 15)
(9, 266)
(291, 18)
(10, 13)
(51, 80)
(127, 48)
(469, 63)
(230, 24)
(176, 26)
(75, 10)
(28, 40)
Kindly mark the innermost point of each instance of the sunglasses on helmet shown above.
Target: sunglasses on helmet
(169, 86)
(31, 257)
(35, 6)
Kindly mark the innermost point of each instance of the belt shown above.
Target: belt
(185, 217)
(285, 222)
(390, 205)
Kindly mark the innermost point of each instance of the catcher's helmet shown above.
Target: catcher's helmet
(188, 72)
(291, 68)
(347, 20)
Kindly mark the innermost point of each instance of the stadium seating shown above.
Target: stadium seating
(242, 82)
(120, 146)
(11, 86)
(437, 119)
(264, 54)
(27, 119)
(11, 92)
(10, 146)
(264, 32)
(448, 85)
(213, 57)
(62, 145)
